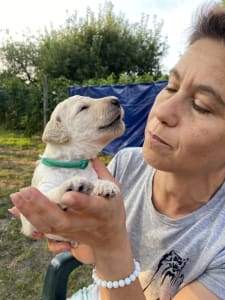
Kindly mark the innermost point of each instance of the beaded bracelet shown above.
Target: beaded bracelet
(117, 283)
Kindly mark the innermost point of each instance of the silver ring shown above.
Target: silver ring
(74, 244)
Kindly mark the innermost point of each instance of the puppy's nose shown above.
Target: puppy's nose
(115, 102)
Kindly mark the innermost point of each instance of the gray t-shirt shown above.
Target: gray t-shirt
(172, 252)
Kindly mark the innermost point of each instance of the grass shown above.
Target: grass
(23, 262)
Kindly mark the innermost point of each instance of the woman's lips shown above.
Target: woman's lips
(155, 139)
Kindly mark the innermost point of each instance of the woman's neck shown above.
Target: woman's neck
(177, 196)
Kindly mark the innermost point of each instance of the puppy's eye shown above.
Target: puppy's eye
(83, 108)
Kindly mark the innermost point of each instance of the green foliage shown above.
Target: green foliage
(21, 104)
(94, 47)
(20, 58)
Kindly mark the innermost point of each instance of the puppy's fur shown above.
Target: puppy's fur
(78, 129)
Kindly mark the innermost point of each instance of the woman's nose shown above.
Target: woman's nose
(167, 112)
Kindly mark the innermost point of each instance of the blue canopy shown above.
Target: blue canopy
(136, 100)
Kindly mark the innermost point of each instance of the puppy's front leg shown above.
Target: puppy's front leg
(76, 183)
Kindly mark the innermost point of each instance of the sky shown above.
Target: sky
(20, 15)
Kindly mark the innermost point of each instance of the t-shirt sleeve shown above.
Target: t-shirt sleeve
(214, 277)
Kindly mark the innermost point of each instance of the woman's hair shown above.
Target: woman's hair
(209, 23)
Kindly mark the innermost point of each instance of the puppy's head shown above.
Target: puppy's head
(85, 120)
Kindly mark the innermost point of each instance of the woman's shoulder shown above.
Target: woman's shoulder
(129, 161)
(127, 157)
(130, 153)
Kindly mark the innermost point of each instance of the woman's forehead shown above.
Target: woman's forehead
(203, 63)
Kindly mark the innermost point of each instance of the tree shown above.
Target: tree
(89, 47)
(20, 57)
(93, 47)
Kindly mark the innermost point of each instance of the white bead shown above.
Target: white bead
(109, 284)
(115, 284)
(137, 266)
(127, 280)
(121, 283)
(132, 277)
(103, 283)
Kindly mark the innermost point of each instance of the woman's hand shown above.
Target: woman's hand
(16, 213)
(94, 221)
(85, 254)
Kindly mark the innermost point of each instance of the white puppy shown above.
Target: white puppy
(79, 128)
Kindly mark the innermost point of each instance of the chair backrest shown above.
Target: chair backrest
(59, 269)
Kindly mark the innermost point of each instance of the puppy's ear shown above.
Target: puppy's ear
(55, 132)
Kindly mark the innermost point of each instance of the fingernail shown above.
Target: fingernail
(15, 199)
(24, 189)
(11, 213)
(12, 195)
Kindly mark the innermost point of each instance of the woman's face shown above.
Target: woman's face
(185, 131)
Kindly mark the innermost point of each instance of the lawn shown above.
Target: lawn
(23, 262)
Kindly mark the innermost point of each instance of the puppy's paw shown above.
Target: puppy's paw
(106, 189)
(79, 184)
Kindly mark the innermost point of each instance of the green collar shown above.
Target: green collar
(82, 164)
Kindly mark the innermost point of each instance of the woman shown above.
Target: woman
(171, 217)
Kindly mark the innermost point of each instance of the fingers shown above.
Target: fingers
(81, 202)
(101, 170)
(14, 211)
(83, 253)
(58, 247)
(37, 208)
(48, 217)
(37, 235)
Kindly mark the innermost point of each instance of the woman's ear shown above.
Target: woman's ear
(55, 132)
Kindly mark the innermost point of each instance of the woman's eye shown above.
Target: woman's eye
(170, 89)
(200, 109)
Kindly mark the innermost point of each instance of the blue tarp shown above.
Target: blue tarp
(136, 100)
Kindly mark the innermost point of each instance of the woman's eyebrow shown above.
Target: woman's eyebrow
(174, 73)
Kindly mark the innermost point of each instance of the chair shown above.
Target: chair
(55, 283)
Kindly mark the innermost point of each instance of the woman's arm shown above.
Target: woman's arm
(114, 264)
(195, 291)
(96, 221)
